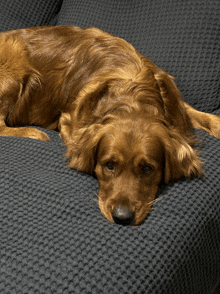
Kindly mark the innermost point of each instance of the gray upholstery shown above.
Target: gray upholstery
(53, 237)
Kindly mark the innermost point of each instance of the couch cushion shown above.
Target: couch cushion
(180, 36)
(15, 14)
(54, 238)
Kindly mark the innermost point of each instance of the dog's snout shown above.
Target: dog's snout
(123, 215)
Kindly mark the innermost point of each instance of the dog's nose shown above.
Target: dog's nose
(122, 215)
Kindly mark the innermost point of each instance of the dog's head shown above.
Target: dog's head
(131, 156)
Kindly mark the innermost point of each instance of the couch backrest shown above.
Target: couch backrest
(16, 14)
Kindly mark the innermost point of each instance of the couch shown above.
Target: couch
(53, 237)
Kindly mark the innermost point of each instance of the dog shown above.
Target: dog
(121, 117)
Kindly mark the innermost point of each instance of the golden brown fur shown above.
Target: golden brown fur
(119, 115)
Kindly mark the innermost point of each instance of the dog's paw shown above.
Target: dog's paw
(215, 126)
(26, 132)
(36, 134)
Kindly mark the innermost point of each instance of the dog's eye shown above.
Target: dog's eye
(146, 170)
(110, 165)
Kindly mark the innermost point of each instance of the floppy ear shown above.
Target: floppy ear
(83, 148)
(78, 129)
(81, 143)
(173, 104)
(181, 160)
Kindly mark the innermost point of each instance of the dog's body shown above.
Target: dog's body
(119, 115)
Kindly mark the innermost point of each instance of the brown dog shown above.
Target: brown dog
(120, 116)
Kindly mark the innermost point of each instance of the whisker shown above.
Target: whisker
(155, 200)
(95, 199)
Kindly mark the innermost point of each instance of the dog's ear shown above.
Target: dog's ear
(82, 149)
(81, 143)
(181, 159)
(166, 84)
(78, 129)
(175, 112)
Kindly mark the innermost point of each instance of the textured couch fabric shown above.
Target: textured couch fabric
(53, 237)
(16, 14)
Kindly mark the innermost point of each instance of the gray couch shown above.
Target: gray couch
(53, 237)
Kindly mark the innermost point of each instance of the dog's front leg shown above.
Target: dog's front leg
(204, 121)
